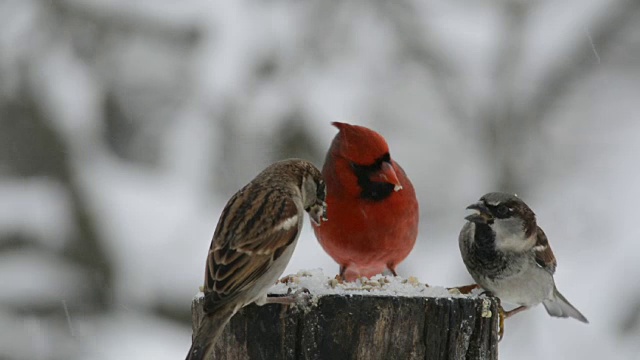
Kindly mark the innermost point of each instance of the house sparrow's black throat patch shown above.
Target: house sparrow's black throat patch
(491, 261)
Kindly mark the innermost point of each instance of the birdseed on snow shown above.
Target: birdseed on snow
(319, 284)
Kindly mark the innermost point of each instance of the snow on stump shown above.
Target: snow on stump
(381, 318)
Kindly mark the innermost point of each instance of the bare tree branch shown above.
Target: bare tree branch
(129, 15)
(559, 80)
(503, 126)
(414, 40)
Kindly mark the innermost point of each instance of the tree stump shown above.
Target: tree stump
(346, 326)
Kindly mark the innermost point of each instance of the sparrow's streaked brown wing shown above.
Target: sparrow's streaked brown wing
(254, 229)
(544, 255)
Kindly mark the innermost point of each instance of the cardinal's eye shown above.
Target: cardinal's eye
(502, 211)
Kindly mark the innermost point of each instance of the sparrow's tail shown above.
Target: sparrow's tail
(559, 306)
(210, 329)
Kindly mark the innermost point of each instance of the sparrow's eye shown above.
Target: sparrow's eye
(502, 210)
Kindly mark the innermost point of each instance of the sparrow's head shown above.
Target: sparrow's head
(314, 195)
(512, 221)
(305, 181)
(367, 155)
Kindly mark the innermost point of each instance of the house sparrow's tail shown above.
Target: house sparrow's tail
(559, 306)
(210, 329)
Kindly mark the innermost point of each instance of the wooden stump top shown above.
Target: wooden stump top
(362, 326)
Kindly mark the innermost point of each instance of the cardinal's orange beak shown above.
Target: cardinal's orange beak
(387, 175)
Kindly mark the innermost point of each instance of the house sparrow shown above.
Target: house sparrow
(508, 254)
(253, 242)
(371, 203)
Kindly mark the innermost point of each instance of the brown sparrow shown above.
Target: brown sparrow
(508, 254)
(253, 242)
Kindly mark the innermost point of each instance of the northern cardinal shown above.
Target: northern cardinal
(371, 205)
(253, 242)
(508, 254)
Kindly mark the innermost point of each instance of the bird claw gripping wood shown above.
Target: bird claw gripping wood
(505, 315)
(501, 313)
(502, 316)
(300, 296)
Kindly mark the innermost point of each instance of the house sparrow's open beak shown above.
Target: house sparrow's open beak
(483, 214)
(387, 175)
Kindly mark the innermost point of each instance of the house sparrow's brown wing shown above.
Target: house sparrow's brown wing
(255, 228)
(543, 254)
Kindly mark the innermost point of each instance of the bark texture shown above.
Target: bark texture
(362, 327)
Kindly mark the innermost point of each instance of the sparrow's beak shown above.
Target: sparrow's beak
(318, 213)
(483, 214)
(387, 175)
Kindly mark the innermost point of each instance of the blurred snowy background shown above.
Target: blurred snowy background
(125, 127)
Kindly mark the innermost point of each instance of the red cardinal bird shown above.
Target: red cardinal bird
(371, 203)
